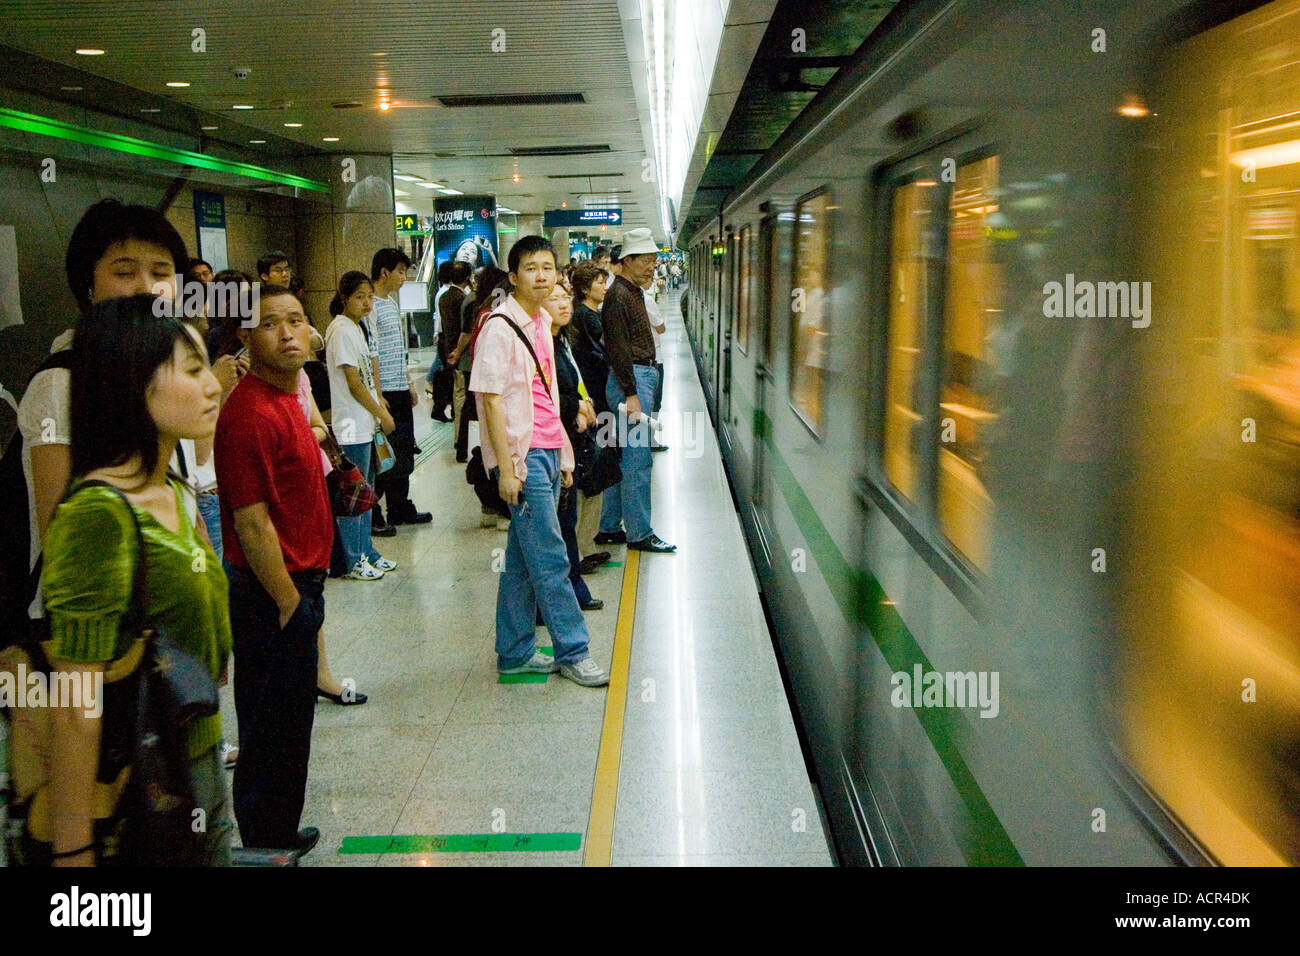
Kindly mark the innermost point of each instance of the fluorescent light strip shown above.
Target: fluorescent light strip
(44, 126)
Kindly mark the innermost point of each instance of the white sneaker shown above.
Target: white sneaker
(586, 672)
(364, 571)
(487, 519)
(539, 663)
(503, 524)
(383, 564)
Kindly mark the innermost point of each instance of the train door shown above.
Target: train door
(764, 379)
(727, 331)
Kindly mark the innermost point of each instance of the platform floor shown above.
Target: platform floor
(690, 757)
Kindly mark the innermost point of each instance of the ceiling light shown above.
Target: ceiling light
(209, 127)
(429, 185)
(379, 53)
(293, 125)
(90, 51)
(400, 192)
(564, 205)
(451, 192)
(515, 177)
(257, 141)
(71, 89)
(406, 178)
(1134, 106)
(329, 139)
(385, 105)
(241, 106)
(177, 83)
(150, 109)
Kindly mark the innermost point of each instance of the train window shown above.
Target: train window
(742, 296)
(972, 307)
(809, 332)
(909, 295)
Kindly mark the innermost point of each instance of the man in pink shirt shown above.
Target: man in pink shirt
(528, 454)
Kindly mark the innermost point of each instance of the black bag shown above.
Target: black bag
(485, 488)
(151, 696)
(604, 472)
(18, 581)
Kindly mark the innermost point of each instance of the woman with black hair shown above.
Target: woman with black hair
(357, 412)
(162, 390)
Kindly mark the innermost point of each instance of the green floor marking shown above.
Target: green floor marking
(464, 843)
(612, 564)
(527, 678)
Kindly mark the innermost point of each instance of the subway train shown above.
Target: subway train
(1001, 342)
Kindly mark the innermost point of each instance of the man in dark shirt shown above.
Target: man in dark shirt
(449, 310)
(630, 346)
(278, 528)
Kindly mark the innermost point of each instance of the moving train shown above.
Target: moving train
(1001, 341)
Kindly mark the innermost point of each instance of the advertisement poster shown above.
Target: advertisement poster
(465, 229)
(580, 249)
(210, 218)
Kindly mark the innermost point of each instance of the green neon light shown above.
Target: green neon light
(44, 126)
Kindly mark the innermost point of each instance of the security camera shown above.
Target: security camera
(241, 72)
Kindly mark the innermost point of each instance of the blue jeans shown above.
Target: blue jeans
(537, 573)
(355, 532)
(628, 502)
(210, 509)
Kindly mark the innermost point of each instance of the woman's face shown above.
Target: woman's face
(183, 396)
(360, 302)
(560, 306)
(597, 293)
(133, 267)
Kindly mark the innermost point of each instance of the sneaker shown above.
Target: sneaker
(503, 524)
(487, 519)
(364, 571)
(384, 565)
(229, 755)
(653, 544)
(586, 672)
(539, 663)
(611, 537)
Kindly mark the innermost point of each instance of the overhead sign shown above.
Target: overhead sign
(408, 225)
(210, 221)
(560, 218)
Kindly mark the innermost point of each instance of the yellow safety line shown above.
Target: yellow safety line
(600, 825)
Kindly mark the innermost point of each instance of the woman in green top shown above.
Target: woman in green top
(139, 383)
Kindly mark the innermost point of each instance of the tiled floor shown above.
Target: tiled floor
(711, 770)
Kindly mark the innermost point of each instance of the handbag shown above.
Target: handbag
(142, 801)
(350, 496)
(383, 453)
(605, 471)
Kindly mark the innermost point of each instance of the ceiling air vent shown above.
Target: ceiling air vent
(347, 105)
(558, 150)
(511, 99)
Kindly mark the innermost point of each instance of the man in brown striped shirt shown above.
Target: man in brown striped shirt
(631, 349)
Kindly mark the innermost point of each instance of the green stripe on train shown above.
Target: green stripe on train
(985, 842)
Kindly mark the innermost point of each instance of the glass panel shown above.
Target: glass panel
(966, 402)
(742, 299)
(810, 316)
(908, 297)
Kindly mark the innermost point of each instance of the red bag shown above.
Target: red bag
(350, 496)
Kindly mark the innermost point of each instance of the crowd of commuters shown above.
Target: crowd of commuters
(216, 452)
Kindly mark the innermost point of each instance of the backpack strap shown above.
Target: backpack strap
(528, 345)
(140, 577)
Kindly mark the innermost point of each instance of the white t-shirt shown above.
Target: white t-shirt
(346, 345)
(44, 418)
(653, 313)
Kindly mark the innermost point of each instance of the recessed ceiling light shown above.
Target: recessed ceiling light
(451, 192)
(379, 53)
(209, 127)
(295, 125)
(400, 192)
(429, 185)
(385, 105)
(257, 141)
(406, 178)
(177, 83)
(90, 51)
(150, 109)
(241, 106)
(71, 89)
(329, 139)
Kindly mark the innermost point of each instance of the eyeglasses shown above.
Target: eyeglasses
(276, 269)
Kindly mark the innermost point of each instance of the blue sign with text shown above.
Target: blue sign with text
(559, 218)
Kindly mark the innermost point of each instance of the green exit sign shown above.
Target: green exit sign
(408, 225)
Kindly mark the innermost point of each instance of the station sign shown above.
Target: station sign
(562, 218)
(408, 225)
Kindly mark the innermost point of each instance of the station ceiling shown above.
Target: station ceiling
(570, 127)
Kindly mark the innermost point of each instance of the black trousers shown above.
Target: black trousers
(394, 485)
(275, 701)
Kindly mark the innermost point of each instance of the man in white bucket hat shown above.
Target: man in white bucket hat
(634, 375)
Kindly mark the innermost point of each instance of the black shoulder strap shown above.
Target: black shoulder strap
(140, 579)
(528, 345)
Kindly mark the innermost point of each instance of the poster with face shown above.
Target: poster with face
(465, 230)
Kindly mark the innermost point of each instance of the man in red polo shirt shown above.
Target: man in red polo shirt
(278, 528)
